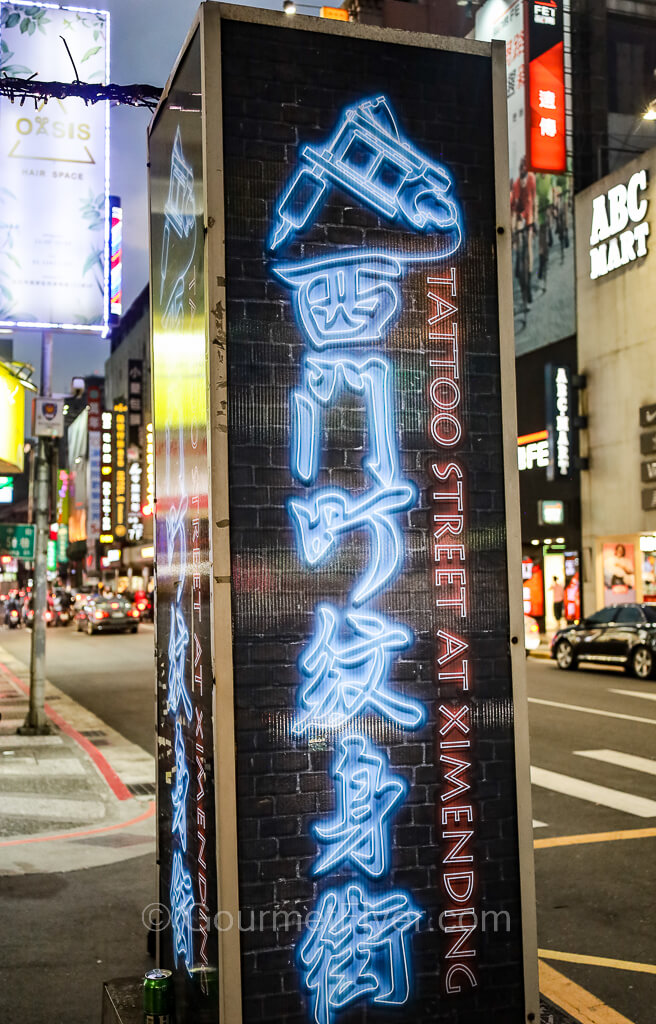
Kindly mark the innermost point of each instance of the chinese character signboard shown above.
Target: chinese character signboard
(54, 168)
(546, 73)
(363, 454)
(120, 469)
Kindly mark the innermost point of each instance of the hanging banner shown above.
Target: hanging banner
(54, 173)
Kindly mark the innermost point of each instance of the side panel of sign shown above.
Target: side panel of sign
(186, 837)
(54, 200)
(373, 692)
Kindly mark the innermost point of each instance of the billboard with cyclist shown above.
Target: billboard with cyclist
(541, 187)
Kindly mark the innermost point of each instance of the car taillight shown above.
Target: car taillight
(534, 628)
(141, 606)
(48, 616)
(133, 613)
(100, 615)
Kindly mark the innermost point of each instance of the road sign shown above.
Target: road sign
(49, 417)
(18, 540)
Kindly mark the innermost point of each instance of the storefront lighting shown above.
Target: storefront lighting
(648, 543)
(114, 555)
(148, 552)
(548, 540)
(650, 112)
(535, 543)
(289, 7)
(560, 540)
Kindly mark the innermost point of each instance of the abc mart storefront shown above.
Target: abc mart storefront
(616, 334)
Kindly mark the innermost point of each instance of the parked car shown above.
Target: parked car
(623, 634)
(107, 614)
(531, 633)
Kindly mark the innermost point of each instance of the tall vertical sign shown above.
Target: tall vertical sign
(120, 469)
(187, 835)
(94, 483)
(54, 169)
(107, 479)
(546, 86)
(373, 799)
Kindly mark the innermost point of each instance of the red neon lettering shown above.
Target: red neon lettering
(460, 839)
(454, 646)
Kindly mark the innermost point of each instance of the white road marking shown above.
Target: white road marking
(635, 693)
(54, 808)
(34, 741)
(582, 790)
(539, 824)
(51, 767)
(591, 711)
(622, 760)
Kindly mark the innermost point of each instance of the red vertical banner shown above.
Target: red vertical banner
(546, 87)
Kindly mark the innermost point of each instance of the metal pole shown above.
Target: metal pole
(36, 721)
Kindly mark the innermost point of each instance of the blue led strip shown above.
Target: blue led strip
(357, 947)
(178, 248)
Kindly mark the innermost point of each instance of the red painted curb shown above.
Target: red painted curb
(83, 832)
(118, 787)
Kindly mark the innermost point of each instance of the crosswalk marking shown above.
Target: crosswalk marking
(582, 790)
(54, 808)
(620, 759)
(635, 693)
(51, 767)
(591, 711)
(9, 742)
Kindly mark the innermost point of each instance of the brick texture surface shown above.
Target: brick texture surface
(283, 89)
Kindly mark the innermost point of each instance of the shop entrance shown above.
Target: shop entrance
(554, 566)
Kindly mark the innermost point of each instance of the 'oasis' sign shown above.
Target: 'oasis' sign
(619, 228)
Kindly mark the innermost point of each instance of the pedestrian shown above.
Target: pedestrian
(557, 596)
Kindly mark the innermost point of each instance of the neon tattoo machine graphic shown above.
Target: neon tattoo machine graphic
(368, 157)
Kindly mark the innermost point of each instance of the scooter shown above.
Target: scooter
(13, 618)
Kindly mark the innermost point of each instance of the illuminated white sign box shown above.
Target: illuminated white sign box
(54, 171)
(619, 230)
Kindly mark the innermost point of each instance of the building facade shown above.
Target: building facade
(616, 347)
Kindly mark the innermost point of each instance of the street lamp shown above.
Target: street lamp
(650, 112)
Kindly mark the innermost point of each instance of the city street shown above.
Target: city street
(588, 729)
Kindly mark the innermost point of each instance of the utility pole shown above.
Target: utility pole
(36, 722)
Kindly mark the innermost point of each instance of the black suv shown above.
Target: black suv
(623, 634)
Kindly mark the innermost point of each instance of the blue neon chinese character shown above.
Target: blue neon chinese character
(321, 520)
(179, 240)
(179, 793)
(178, 643)
(357, 949)
(367, 793)
(182, 905)
(343, 678)
(323, 378)
(368, 157)
(344, 300)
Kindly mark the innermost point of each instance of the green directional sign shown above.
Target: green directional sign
(18, 540)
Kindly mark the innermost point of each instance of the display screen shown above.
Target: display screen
(378, 850)
(185, 749)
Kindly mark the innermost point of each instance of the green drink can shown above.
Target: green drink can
(158, 997)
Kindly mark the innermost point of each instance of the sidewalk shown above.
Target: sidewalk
(82, 797)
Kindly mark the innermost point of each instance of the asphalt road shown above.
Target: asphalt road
(112, 675)
(594, 898)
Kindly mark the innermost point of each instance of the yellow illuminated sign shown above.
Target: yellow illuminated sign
(335, 13)
(12, 419)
